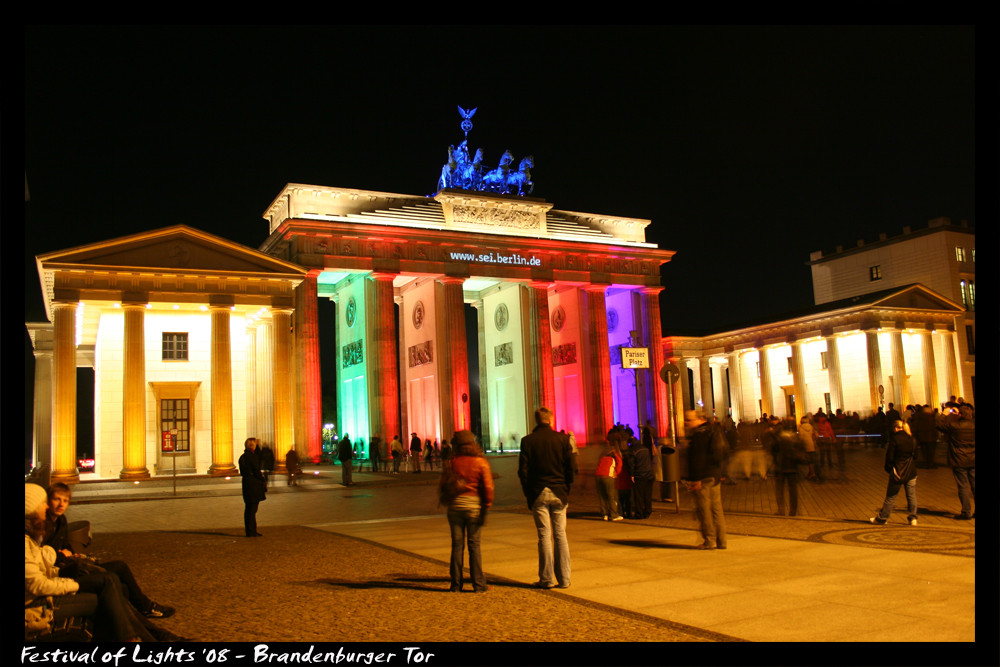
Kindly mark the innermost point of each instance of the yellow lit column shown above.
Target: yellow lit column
(766, 401)
(951, 357)
(222, 393)
(707, 393)
(42, 427)
(874, 369)
(931, 397)
(134, 393)
(736, 384)
(251, 380)
(677, 396)
(799, 381)
(833, 373)
(64, 393)
(282, 318)
(900, 387)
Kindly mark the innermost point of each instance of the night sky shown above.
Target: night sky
(747, 147)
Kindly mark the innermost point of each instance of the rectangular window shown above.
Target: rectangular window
(790, 365)
(175, 347)
(968, 290)
(959, 254)
(822, 361)
(175, 414)
(875, 272)
(758, 368)
(826, 401)
(970, 338)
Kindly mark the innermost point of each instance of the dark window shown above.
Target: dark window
(970, 338)
(175, 347)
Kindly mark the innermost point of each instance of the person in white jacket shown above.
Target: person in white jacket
(98, 595)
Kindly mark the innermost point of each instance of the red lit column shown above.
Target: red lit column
(309, 430)
(541, 346)
(602, 418)
(654, 341)
(454, 380)
(384, 378)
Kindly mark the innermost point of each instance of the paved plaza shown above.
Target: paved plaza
(331, 575)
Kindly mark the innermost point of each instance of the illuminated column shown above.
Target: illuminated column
(309, 412)
(64, 392)
(766, 403)
(384, 377)
(265, 390)
(833, 373)
(543, 380)
(485, 435)
(42, 429)
(677, 390)
(653, 337)
(874, 369)
(282, 318)
(454, 385)
(707, 395)
(600, 364)
(134, 393)
(251, 379)
(736, 384)
(799, 381)
(931, 397)
(900, 388)
(222, 393)
(951, 357)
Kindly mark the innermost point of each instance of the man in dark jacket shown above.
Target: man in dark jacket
(253, 486)
(345, 454)
(545, 468)
(960, 430)
(415, 452)
(705, 453)
(925, 432)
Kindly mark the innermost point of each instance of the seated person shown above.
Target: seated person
(57, 536)
(98, 595)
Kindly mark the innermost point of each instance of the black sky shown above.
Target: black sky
(747, 147)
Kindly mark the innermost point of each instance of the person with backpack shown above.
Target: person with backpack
(901, 464)
(466, 488)
(609, 466)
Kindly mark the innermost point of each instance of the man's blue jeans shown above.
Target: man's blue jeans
(550, 521)
(892, 490)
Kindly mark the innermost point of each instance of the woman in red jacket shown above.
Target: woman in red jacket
(609, 466)
(466, 487)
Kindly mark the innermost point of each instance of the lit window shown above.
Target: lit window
(822, 361)
(758, 368)
(175, 346)
(175, 414)
(875, 272)
(968, 290)
(959, 254)
(790, 365)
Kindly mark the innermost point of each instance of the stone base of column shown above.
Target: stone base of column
(65, 477)
(223, 470)
(134, 473)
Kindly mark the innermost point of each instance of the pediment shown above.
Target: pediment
(916, 297)
(172, 249)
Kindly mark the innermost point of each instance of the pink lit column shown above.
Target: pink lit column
(384, 364)
(602, 418)
(454, 386)
(541, 339)
(654, 341)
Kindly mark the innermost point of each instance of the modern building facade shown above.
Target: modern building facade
(893, 322)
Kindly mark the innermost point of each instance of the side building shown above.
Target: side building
(894, 322)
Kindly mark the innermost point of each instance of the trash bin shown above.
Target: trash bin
(669, 460)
